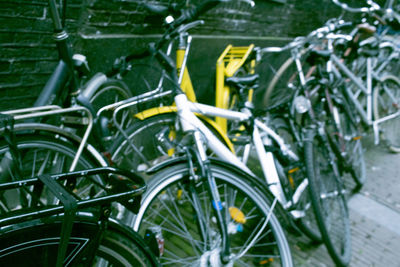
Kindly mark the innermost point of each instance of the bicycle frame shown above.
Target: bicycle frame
(335, 65)
(65, 68)
(228, 63)
(262, 135)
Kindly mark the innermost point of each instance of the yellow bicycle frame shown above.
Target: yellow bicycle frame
(231, 60)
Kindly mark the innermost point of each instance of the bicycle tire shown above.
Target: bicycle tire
(37, 242)
(386, 101)
(110, 92)
(142, 133)
(329, 202)
(41, 154)
(307, 224)
(353, 146)
(273, 83)
(127, 247)
(174, 208)
(277, 90)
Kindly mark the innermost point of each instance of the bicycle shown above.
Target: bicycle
(148, 122)
(68, 83)
(225, 202)
(376, 96)
(72, 231)
(341, 125)
(52, 144)
(264, 139)
(370, 97)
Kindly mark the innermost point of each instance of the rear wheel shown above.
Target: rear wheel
(37, 242)
(179, 207)
(296, 175)
(328, 198)
(41, 155)
(386, 101)
(121, 249)
(346, 138)
(354, 152)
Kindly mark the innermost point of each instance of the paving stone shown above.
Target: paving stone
(374, 215)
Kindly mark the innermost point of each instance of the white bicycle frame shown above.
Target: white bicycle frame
(262, 135)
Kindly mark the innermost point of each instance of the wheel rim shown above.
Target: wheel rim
(387, 102)
(334, 218)
(173, 212)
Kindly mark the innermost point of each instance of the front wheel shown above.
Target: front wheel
(180, 207)
(346, 137)
(328, 198)
(386, 100)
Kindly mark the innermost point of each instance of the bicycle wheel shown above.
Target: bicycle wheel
(295, 175)
(346, 141)
(154, 139)
(42, 155)
(328, 198)
(123, 248)
(256, 237)
(110, 92)
(386, 101)
(354, 153)
(36, 244)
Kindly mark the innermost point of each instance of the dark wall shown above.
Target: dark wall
(105, 29)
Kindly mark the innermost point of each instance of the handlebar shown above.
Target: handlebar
(327, 32)
(385, 15)
(186, 21)
(373, 7)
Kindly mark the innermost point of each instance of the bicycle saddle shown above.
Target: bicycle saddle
(249, 80)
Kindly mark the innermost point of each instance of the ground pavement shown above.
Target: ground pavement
(374, 214)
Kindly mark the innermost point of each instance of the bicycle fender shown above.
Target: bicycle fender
(138, 239)
(172, 109)
(29, 127)
(93, 84)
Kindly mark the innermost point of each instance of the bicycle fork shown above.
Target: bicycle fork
(200, 157)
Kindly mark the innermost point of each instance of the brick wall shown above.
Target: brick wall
(28, 54)
(105, 29)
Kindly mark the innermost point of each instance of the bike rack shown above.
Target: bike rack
(230, 61)
(42, 111)
(122, 186)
